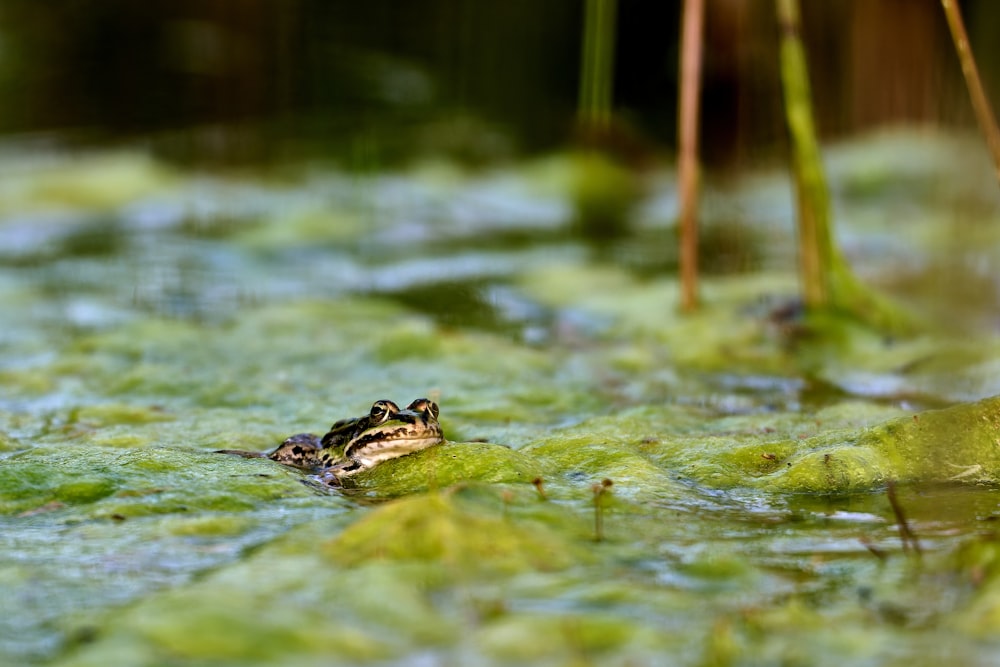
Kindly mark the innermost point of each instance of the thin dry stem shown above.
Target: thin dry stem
(687, 132)
(980, 103)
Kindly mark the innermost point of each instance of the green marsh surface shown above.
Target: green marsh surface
(151, 316)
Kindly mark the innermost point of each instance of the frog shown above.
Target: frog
(388, 434)
(359, 443)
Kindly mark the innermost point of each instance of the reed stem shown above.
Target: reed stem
(980, 103)
(687, 133)
(597, 63)
(812, 195)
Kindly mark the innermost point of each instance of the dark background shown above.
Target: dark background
(383, 80)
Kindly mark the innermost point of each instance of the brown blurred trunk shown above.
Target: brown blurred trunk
(892, 63)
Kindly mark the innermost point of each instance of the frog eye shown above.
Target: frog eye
(425, 405)
(382, 410)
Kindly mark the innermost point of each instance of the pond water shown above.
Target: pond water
(152, 316)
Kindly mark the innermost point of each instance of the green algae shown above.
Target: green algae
(97, 416)
(97, 181)
(745, 524)
(460, 536)
(443, 466)
(108, 481)
(950, 445)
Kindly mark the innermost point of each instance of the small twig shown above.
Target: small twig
(600, 490)
(906, 534)
(980, 102)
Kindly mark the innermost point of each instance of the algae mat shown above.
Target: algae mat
(620, 486)
(725, 539)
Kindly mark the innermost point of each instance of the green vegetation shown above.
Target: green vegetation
(746, 515)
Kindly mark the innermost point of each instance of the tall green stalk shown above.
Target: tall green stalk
(597, 63)
(816, 249)
(827, 281)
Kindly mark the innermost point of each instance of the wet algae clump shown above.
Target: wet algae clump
(957, 444)
(466, 546)
(442, 466)
(463, 530)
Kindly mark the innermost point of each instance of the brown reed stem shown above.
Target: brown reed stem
(687, 139)
(980, 103)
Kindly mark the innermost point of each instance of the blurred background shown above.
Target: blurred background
(237, 81)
